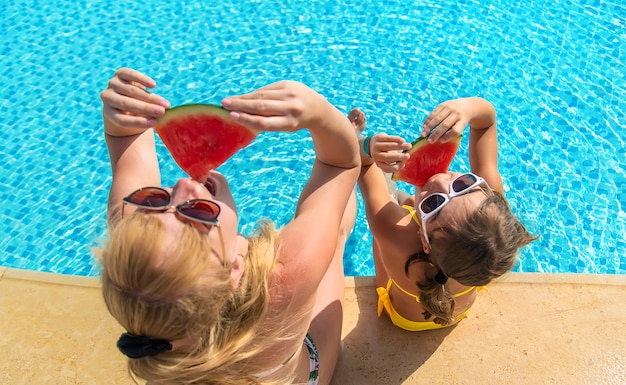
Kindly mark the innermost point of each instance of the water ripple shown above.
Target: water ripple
(554, 70)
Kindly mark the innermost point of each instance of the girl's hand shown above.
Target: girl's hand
(386, 151)
(128, 108)
(282, 106)
(448, 120)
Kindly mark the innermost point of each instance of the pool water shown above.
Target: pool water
(554, 70)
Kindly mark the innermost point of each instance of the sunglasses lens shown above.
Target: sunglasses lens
(431, 203)
(464, 182)
(149, 197)
(201, 210)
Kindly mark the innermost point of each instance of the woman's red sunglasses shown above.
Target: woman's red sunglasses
(158, 199)
(203, 211)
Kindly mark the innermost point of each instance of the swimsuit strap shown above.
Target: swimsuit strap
(272, 371)
(411, 211)
(314, 361)
(417, 297)
(464, 292)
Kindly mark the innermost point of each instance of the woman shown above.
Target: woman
(432, 251)
(201, 303)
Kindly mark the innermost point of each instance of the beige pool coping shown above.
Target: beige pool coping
(527, 329)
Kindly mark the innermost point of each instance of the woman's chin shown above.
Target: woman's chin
(218, 186)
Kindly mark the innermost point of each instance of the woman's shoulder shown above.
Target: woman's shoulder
(297, 268)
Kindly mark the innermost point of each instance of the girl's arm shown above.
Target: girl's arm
(388, 221)
(449, 119)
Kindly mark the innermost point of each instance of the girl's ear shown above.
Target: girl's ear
(425, 246)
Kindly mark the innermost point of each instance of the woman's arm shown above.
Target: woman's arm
(128, 112)
(308, 242)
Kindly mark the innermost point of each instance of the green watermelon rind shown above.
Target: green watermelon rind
(183, 109)
(417, 144)
(182, 145)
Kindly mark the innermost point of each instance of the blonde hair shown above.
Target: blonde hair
(472, 252)
(184, 291)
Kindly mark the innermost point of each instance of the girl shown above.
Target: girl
(434, 250)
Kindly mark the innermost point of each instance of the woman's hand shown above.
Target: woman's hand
(129, 108)
(386, 151)
(282, 106)
(448, 120)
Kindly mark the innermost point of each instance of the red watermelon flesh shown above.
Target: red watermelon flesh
(201, 137)
(427, 159)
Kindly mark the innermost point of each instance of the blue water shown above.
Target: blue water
(554, 70)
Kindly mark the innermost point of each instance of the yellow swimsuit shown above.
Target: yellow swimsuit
(384, 301)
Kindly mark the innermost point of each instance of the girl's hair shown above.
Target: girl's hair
(174, 290)
(473, 252)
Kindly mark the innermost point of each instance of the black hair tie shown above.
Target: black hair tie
(141, 346)
(441, 278)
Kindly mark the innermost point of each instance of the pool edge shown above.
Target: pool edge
(55, 323)
(350, 281)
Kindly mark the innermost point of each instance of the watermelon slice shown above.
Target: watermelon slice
(201, 137)
(427, 159)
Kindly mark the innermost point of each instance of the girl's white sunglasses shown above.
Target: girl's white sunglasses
(434, 202)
